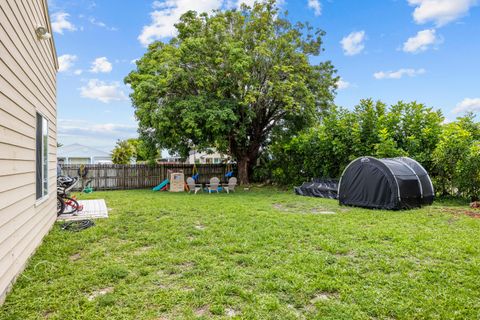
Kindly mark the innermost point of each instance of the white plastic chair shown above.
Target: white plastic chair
(230, 186)
(192, 186)
(213, 185)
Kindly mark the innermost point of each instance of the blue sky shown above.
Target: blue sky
(423, 50)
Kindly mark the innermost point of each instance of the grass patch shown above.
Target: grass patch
(261, 254)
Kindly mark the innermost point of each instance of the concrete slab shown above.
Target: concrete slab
(92, 209)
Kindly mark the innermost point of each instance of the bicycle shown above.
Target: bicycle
(67, 204)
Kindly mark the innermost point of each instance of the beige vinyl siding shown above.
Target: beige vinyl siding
(27, 85)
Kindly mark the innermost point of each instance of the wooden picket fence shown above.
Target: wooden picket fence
(140, 176)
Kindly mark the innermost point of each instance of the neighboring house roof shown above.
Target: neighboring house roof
(80, 151)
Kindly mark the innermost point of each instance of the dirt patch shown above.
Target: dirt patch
(179, 269)
(100, 292)
(320, 297)
(298, 313)
(470, 213)
(347, 254)
(187, 289)
(452, 220)
(288, 206)
(75, 257)
(323, 296)
(163, 286)
(48, 314)
(141, 250)
(162, 283)
(322, 211)
(229, 312)
(202, 311)
(301, 209)
(186, 265)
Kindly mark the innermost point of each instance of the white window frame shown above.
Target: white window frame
(44, 157)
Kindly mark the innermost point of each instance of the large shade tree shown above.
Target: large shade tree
(232, 80)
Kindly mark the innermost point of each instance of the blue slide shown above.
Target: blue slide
(162, 185)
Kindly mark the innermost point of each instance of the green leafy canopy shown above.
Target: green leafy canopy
(231, 80)
(124, 152)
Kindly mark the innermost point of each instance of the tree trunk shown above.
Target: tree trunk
(243, 171)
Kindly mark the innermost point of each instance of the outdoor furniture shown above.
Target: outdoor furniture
(213, 185)
(230, 186)
(192, 186)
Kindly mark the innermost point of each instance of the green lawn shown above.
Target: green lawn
(262, 254)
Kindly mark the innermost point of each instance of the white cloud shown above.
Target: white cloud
(440, 12)
(103, 91)
(60, 22)
(446, 121)
(421, 41)
(102, 135)
(67, 126)
(101, 24)
(166, 13)
(353, 43)
(101, 65)
(468, 104)
(342, 84)
(398, 74)
(66, 61)
(316, 6)
(250, 3)
(78, 72)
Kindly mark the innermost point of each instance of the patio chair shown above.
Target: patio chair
(192, 186)
(230, 186)
(213, 185)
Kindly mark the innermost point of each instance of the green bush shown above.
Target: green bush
(468, 173)
(449, 152)
(371, 129)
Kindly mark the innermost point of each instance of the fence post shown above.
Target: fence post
(124, 182)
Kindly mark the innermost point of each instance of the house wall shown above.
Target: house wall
(27, 85)
(79, 161)
(206, 158)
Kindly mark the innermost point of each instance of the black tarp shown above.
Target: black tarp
(322, 188)
(394, 184)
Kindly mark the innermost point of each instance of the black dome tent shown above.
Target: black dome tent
(393, 184)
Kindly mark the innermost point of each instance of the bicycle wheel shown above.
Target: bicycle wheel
(60, 206)
(71, 205)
